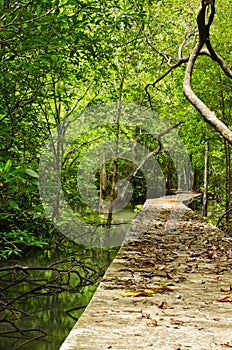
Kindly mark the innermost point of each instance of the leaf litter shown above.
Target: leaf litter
(197, 257)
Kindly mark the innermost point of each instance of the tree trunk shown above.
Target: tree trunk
(168, 177)
(204, 20)
(115, 166)
(228, 179)
(205, 192)
(102, 181)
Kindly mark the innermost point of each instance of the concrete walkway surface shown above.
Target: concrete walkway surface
(169, 286)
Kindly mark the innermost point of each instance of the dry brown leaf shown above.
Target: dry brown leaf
(151, 262)
(164, 305)
(227, 299)
(163, 289)
(178, 322)
(154, 267)
(152, 323)
(177, 347)
(172, 201)
(226, 345)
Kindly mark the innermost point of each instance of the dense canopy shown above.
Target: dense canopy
(60, 57)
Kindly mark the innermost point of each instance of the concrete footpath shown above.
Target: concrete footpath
(169, 287)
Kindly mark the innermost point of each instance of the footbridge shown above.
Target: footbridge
(169, 287)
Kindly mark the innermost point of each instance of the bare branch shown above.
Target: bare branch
(166, 57)
(180, 51)
(78, 101)
(223, 215)
(125, 182)
(18, 104)
(29, 341)
(179, 63)
(154, 152)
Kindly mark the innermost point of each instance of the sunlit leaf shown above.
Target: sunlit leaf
(136, 293)
(8, 165)
(13, 204)
(148, 292)
(31, 173)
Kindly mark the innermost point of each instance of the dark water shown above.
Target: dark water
(47, 309)
(42, 311)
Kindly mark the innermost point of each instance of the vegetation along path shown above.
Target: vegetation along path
(168, 288)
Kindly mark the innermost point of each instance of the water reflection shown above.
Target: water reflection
(56, 302)
(42, 319)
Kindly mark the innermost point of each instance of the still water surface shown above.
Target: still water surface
(48, 313)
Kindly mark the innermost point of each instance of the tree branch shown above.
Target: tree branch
(223, 215)
(166, 57)
(204, 39)
(156, 151)
(179, 63)
(210, 52)
(125, 183)
(204, 21)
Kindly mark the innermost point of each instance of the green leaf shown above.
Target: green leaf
(34, 182)
(13, 204)
(31, 173)
(39, 243)
(8, 165)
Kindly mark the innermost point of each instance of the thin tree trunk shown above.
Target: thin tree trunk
(206, 176)
(168, 185)
(102, 181)
(115, 166)
(228, 179)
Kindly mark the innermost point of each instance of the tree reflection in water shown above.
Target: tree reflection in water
(41, 297)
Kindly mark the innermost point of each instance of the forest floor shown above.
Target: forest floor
(169, 287)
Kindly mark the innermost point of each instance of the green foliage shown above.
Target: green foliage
(137, 208)
(14, 242)
(58, 57)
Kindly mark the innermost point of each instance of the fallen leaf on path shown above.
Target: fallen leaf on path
(164, 305)
(150, 262)
(163, 289)
(172, 201)
(227, 345)
(147, 292)
(136, 293)
(152, 323)
(178, 322)
(227, 299)
(226, 290)
(137, 311)
(177, 347)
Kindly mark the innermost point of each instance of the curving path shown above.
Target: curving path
(167, 288)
